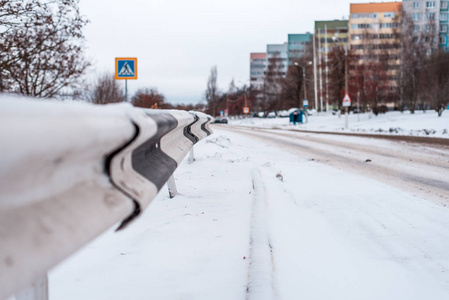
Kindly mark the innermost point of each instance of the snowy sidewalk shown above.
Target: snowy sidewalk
(396, 123)
(255, 222)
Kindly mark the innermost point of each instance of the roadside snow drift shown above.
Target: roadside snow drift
(253, 221)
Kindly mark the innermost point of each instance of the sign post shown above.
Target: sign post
(305, 104)
(126, 68)
(346, 104)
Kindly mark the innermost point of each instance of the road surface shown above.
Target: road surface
(410, 164)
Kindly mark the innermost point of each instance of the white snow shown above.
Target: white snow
(255, 222)
(420, 123)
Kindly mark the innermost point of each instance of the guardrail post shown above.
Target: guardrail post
(172, 191)
(191, 156)
(37, 291)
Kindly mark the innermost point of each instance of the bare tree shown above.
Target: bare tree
(41, 46)
(416, 47)
(435, 74)
(105, 90)
(212, 91)
(336, 63)
(272, 83)
(292, 86)
(371, 78)
(149, 98)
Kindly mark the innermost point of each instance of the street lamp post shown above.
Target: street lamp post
(304, 81)
(303, 78)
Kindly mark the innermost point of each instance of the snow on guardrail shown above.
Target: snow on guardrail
(71, 170)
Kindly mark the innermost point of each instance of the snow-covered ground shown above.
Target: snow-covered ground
(255, 222)
(420, 123)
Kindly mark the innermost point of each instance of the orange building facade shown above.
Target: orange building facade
(374, 36)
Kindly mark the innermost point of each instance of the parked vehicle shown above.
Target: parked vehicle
(221, 120)
(283, 114)
(311, 112)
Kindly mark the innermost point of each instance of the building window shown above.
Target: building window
(361, 26)
(430, 16)
(442, 40)
(429, 28)
(389, 15)
(416, 16)
(416, 28)
(443, 28)
(443, 17)
(389, 25)
(443, 4)
(416, 4)
(365, 16)
(430, 4)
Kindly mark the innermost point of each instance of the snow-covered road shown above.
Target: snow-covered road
(418, 168)
(261, 217)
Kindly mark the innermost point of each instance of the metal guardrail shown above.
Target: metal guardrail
(70, 170)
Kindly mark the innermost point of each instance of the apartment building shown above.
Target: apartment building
(374, 35)
(330, 33)
(430, 16)
(443, 28)
(297, 45)
(277, 59)
(257, 69)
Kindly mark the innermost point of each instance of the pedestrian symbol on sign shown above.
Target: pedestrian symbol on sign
(346, 100)
(125, 68)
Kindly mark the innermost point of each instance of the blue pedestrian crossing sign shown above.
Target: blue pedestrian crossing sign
(126, 68)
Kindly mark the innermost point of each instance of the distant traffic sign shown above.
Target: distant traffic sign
(126, 68)
(305, 103)
(346, 100)
(246, 110)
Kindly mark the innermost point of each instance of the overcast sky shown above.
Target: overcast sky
(178, 41)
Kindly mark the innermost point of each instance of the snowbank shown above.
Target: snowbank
(418, 124)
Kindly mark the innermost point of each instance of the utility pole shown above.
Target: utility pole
(327, 69)
(304, 84)
(314, 73)
(303, 79)
(321, 71)
(346, 85)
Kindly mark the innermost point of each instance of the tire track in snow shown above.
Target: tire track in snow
(261, 266)
(400, 174)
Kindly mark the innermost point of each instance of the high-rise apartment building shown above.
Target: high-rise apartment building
(277, 59)
(330, 33)
(374, 35)
(443, 28)
(297, 45)
(257, 69)
(430, 16)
